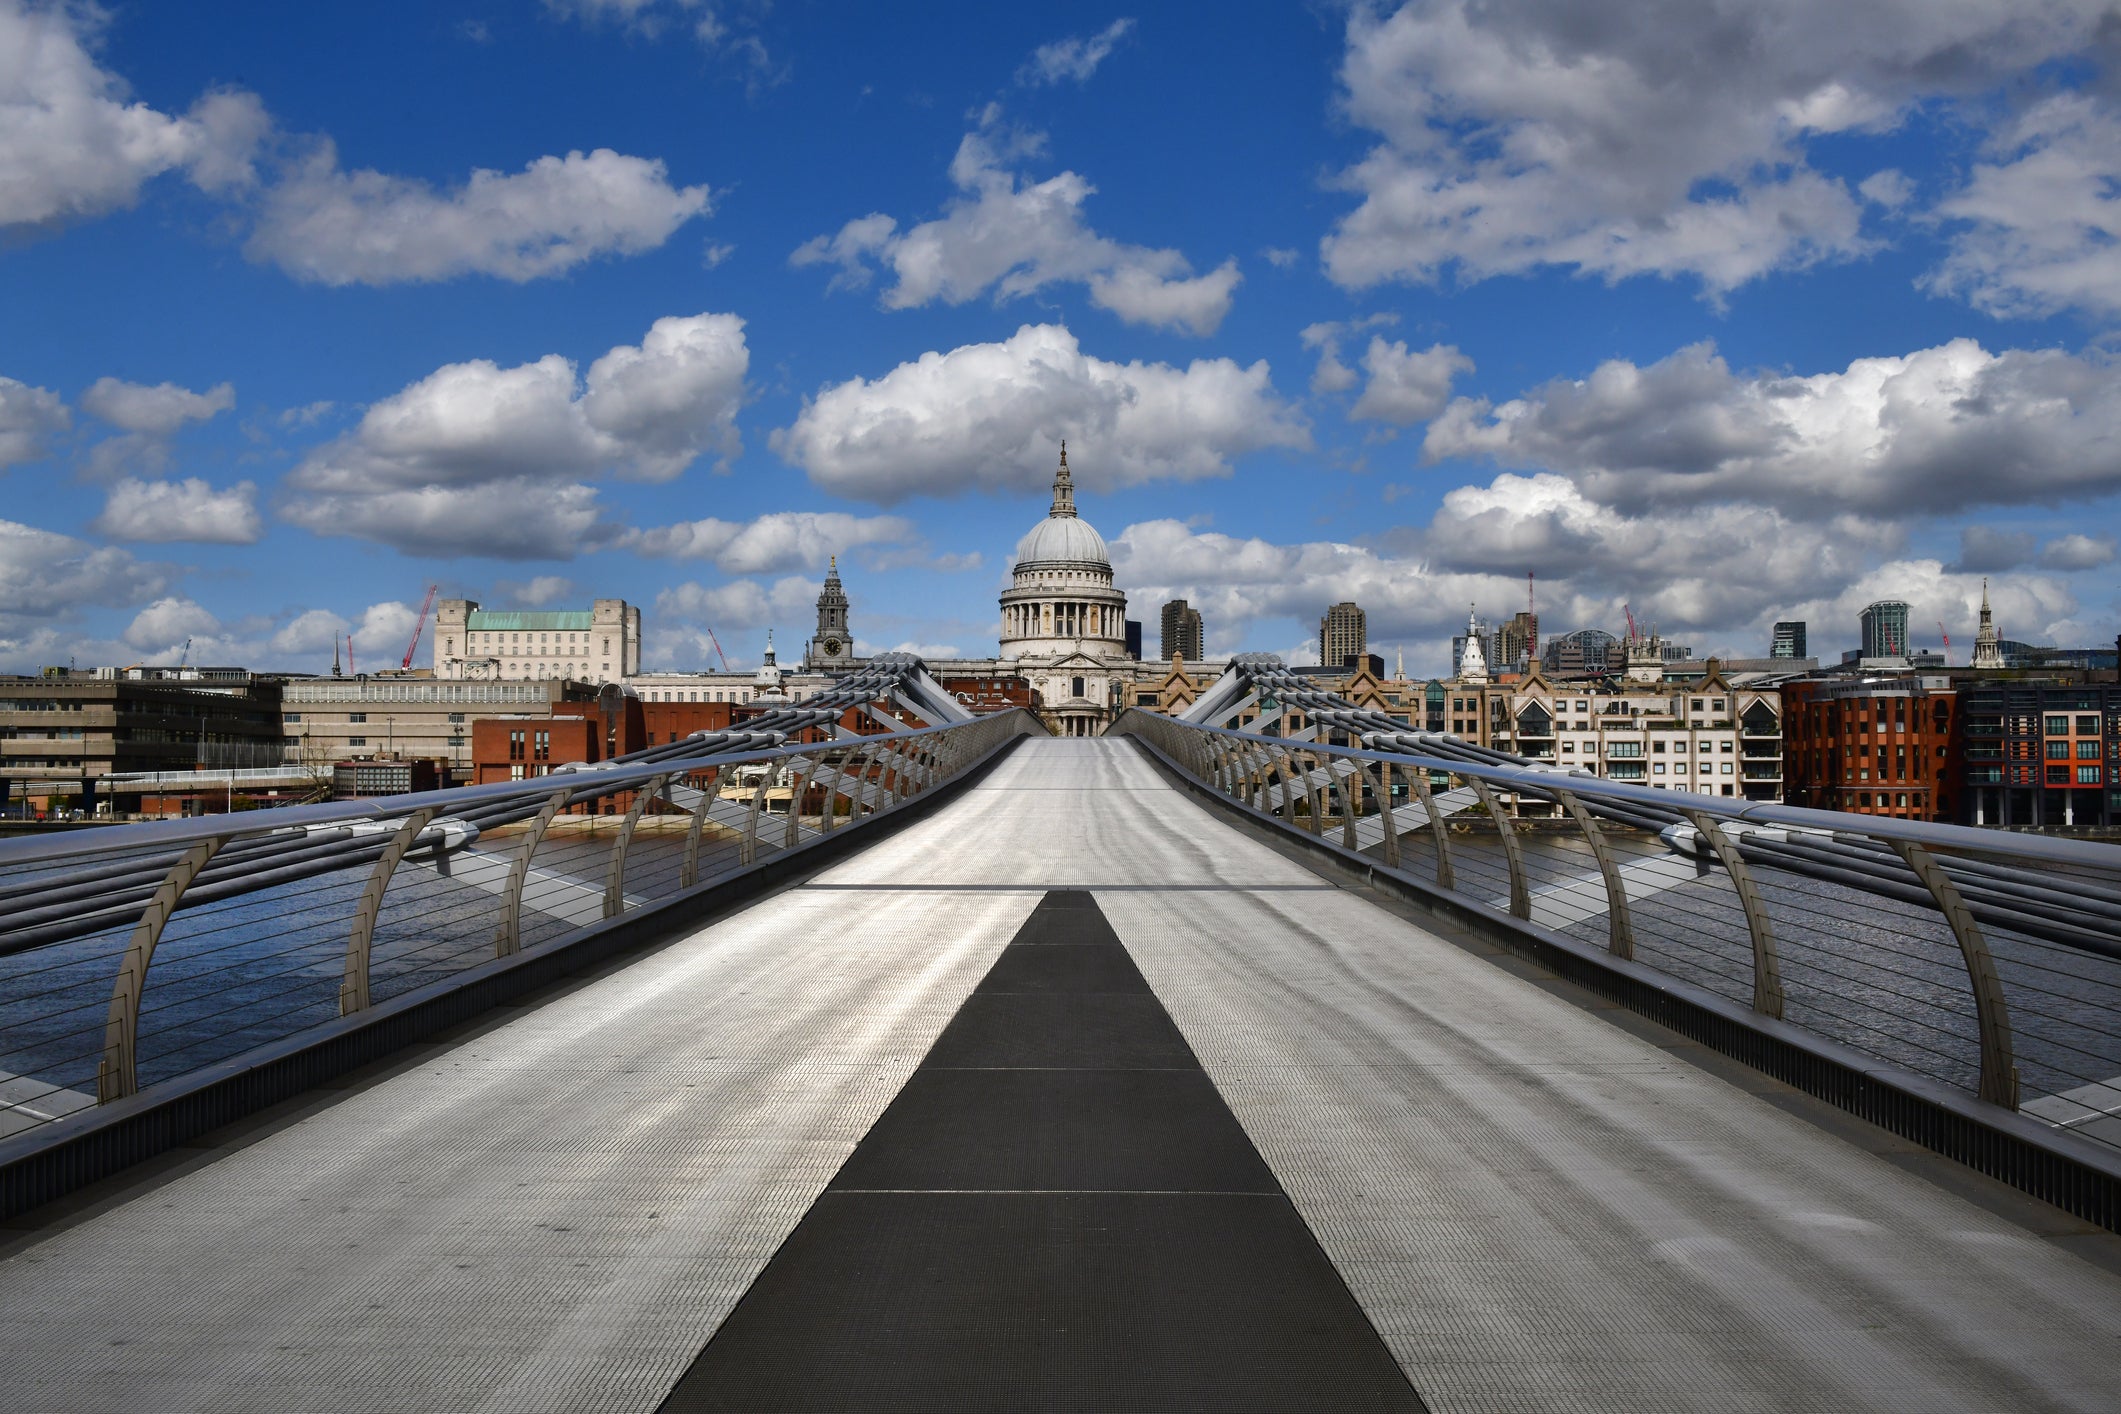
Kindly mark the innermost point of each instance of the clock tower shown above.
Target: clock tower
(832, 647)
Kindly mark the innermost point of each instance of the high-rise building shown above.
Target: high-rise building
(1789, 640)
(1342, 634)
(1885, 629)
(1516, 639)
(1183, 633)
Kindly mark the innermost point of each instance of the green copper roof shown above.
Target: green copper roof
(567, 621)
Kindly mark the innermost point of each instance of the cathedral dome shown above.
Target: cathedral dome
(1068, 539)
(1063, 537)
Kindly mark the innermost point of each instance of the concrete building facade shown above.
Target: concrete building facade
(600, 644)
(1343, 634)
(1184, 635)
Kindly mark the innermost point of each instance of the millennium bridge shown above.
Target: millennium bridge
(932, 1062)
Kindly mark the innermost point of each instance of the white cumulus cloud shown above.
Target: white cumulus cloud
(483, 460)
(1658, 138)
(72, 143)
(2038, 230)
(778, 541)
(47, 577)
(28, 418)
(159, 411)
(1941, 429)
(187, 510)
(1404, 386)
(990, 417)
(368, 228)
(1013, 236)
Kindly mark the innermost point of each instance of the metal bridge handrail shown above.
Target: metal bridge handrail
(112, 839)
(258, 904)
(2046, 849)
(1961, 954)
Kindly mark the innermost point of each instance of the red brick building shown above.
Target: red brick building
(1878, 746)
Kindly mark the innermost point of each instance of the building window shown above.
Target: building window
(357, 741)
(1660, 768)
(541, 747)
(356, 716)
(456, 719)
(2058, 775)
(2087, 751)
(2058, 751)
(293, 717)
(2087, 775)
(515, 749)
(2087, 726)
(2058, 726)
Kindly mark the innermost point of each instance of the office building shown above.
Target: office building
(1789, 640)
(1873, 745)
(2040, 754)
(1885, 629)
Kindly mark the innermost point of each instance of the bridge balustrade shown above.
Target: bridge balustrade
(1984, 961)
(136, 955)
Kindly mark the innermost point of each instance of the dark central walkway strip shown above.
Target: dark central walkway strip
(1058, 1212)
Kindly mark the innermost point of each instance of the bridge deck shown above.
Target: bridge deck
(1535, 1207)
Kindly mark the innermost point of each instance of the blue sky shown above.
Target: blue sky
(1731, 312)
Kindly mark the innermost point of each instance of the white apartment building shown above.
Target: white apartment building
(599, 645)
(1707, 736)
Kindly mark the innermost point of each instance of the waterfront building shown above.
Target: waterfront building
(63, 733)
(1873, 744)
(2040, 754)
(600, 644)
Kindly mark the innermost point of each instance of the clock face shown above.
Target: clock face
(831, 647)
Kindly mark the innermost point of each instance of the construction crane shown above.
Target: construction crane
(1947, 643)
(420, 624)
(1629, 610)
(718, 649)
(184, 658)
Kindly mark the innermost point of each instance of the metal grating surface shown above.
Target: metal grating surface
(1091, 1233)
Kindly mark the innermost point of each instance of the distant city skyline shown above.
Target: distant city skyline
(1817, 323)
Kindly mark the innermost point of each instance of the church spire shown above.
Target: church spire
(1063, 487)
(1988, 653)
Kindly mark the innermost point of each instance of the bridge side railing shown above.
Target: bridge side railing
(140, 953)
(1987, 961)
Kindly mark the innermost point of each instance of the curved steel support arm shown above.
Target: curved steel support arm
(1512, 848)
(689, 872)
(509, 938)
(1992, 1017)
(832, 791)
(118, 1074)
(353, 991)
(615, 875)
(1380, 784)
(1767, 963)
(1620, 927)
(1446, 876)
(795, 801)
